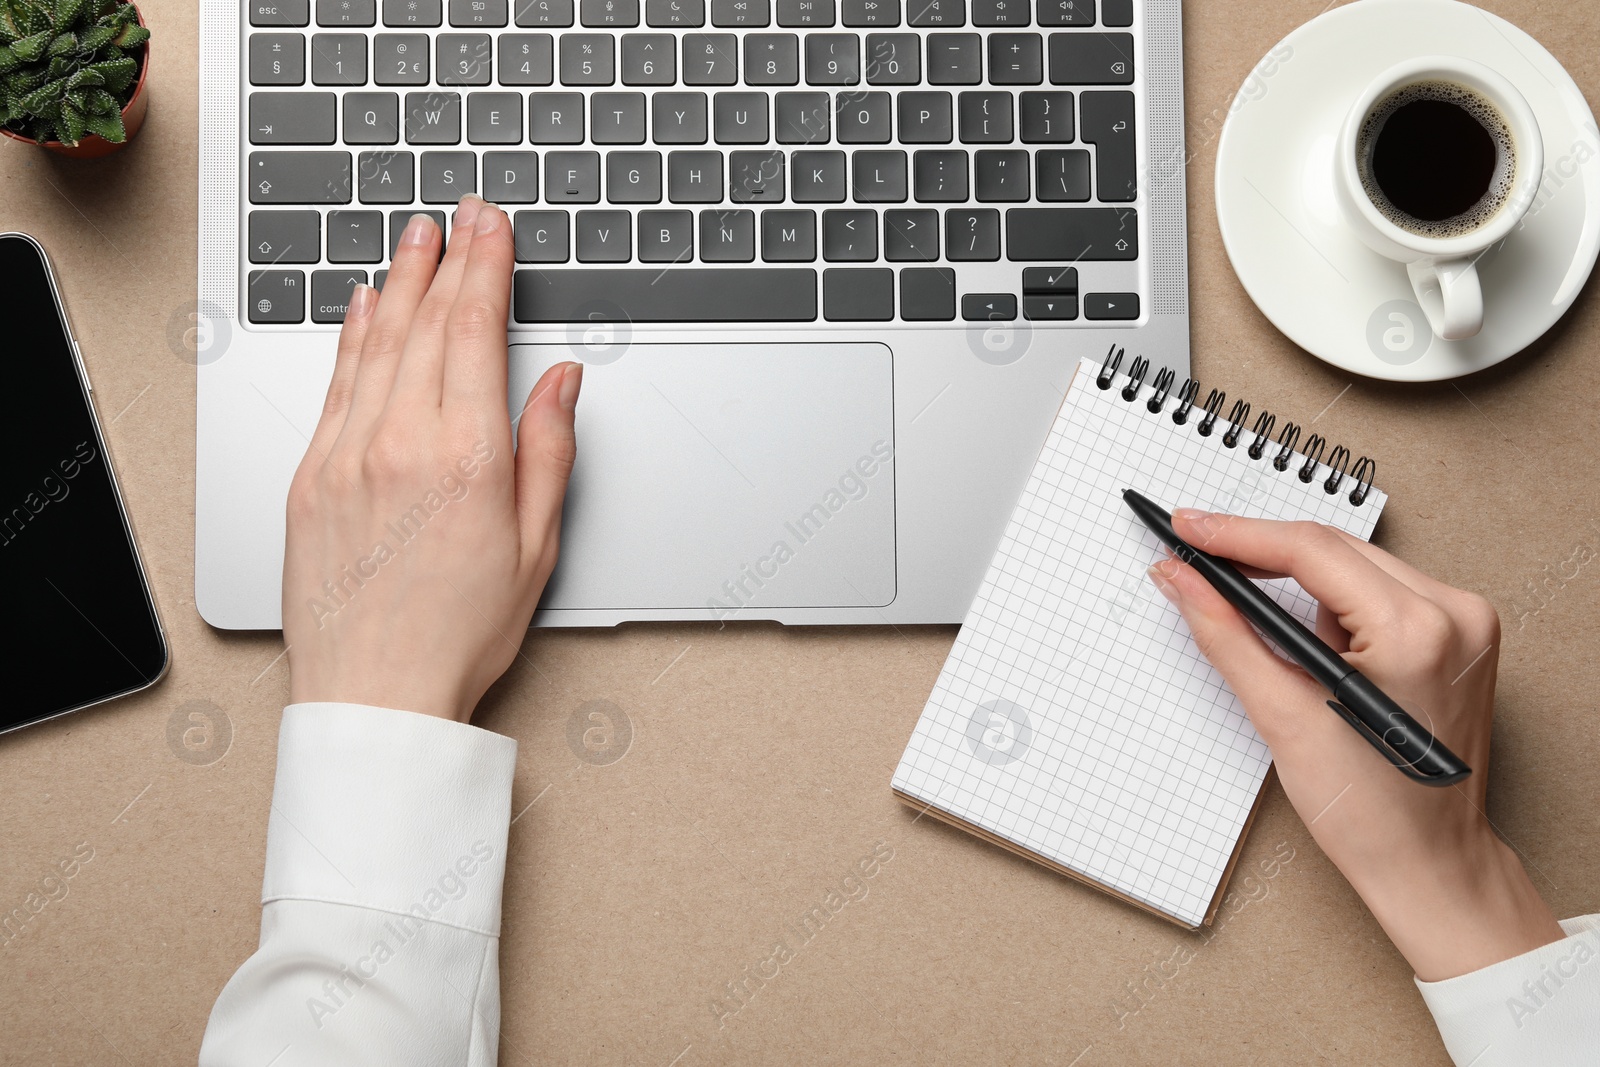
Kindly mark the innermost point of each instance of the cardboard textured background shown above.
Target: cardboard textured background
(758, 771)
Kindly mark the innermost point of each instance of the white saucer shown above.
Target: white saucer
(1321, 286)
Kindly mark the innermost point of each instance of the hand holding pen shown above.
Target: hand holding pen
(1450, 894)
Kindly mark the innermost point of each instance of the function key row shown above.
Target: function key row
(751, 14)
(710, 59)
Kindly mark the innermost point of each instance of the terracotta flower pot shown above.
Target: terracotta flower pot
(94, 146)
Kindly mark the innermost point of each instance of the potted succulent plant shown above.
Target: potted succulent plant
(72, 74)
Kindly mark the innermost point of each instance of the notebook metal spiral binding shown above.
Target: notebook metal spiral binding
(1337, 462)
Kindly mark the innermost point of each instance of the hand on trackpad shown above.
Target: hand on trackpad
(728, 477)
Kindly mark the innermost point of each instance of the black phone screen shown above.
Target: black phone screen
(82, 626)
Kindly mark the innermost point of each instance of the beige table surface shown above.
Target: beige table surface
(758, 772)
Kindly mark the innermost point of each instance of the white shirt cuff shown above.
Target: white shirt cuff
(390, 810)
(1540, 1007)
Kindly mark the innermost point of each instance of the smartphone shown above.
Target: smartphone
(83, 623)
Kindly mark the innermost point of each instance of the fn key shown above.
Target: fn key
(277, 296)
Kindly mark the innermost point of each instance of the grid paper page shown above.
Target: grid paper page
(1075, 717)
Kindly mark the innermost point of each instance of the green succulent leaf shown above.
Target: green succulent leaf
(87, 78)
(96, 38)
(8, 59)
(42, 97)
(71, 125)
(70, 12)
(133, 36)
(64, 45)
(107, 126)
(30, 49)
(118, 73)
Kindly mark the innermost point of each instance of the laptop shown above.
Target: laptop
(829, 264)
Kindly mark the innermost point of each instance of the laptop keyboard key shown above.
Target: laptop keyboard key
(338, 59)
(945, 13)
(755, 177)
(679, 118)
(810, 14)
(894, 59)
(331, 291)
(399, 219)
(850, 235)
(833, 59)
(939, 176)
(802, 118)
(988, 307)
(971, 234)
(464, 59)
(277, 296)
(299, 178)
(616, 118)
(1071, 234)
(739, 118)
(371, 118)
(1116, 12)
(771, 59)
(277, 59)
(1091, 59)
(743, 13)
(411, 12)
(400, 59)
(925, 118)
(675, 13)
(526, 58)
(858, 294)
(954, 58)
(511, 177)
(388, 178)
(291, 118)
(1046, 117)
(572, 177)
(1002, 12)
(542, 12)
(448, 176)
(541, 236)
(727, 235)
(280, 13)
(694, 177)
(911, 235)
(1016, 58)
(347, 12)
(633, 177)
(675, 294)
(494, 118)
(870, 12)
(986, 118)
(604, 236)
(354, 237)
(880, 177)
(710, 59)
(817, 177)
(285, 236)
(649, 59)
(864, 118)
(1111, 306)
(1000, 175)
(789, 235)
(487, 13)
(588, 59)
(1049, 307)
(1063, 174)
(1107, 123)
(927, 294)
(555, 118)
(433, 118)
(1067, 13)
(666, 236)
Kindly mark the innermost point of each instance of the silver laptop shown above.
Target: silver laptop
(829, 264)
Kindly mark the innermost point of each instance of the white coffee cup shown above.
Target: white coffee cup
(1442, 269)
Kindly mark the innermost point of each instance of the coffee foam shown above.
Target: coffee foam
(1487, 116)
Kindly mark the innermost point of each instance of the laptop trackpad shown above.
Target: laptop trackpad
(730, 478)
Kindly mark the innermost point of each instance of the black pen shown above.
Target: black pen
(1393, 732)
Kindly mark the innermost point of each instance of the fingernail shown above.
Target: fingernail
(488, 219)
(361, 300)
(571, 381)
(419, 231)
(1159, 574)
(1208, 523)
(467, 210)
(1191, 514)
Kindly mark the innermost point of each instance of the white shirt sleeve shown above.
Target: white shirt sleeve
(380, 907)
(1542, 1007)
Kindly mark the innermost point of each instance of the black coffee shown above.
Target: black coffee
(1437, 159)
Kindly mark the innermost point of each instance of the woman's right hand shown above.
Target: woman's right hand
(1450, 894)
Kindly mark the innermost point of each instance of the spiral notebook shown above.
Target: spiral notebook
(1075, 721)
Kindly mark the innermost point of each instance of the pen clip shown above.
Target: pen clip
(1405, 766)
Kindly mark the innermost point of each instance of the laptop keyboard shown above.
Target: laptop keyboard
(699, 161)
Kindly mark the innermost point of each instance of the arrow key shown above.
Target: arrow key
(989, 307)
(284, 237)
(1053, 307)
(1111, 306)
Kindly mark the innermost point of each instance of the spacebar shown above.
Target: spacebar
(674, 294)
